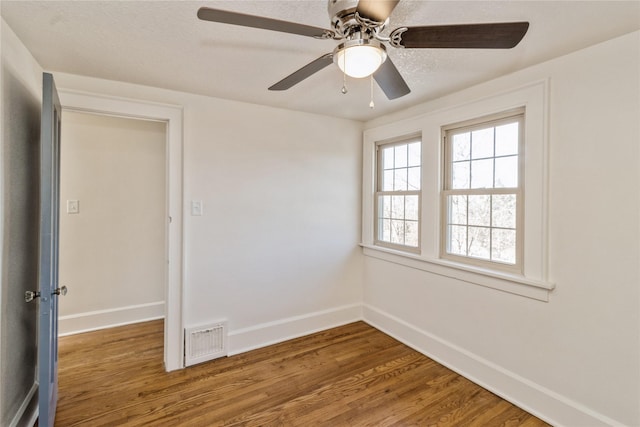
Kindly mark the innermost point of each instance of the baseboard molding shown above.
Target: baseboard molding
(28, 411)
(102, 319)
(545, 404)
(262, 335)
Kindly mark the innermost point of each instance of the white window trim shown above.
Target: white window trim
(533, 282)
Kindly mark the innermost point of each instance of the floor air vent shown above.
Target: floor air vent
(204, 343)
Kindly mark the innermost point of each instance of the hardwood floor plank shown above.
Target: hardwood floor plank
(332, 393)
(353, 375)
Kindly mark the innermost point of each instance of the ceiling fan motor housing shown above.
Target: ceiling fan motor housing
(348, 24)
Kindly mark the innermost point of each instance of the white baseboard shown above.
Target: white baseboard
(545, 404)
(262, 335)
(102, 319)
(28, 411)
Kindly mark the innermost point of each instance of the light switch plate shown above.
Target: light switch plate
(73, 206)
(197, 208)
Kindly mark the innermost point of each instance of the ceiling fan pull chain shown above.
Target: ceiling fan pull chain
(344, 89)
(371, 104)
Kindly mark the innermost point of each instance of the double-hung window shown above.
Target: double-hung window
(482, 198)
(466, 198)
(397, 197)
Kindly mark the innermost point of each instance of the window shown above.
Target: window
(482, 198)
(398, 194)
(457, 214)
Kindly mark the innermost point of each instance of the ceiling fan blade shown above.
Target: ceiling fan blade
(304, 72)
(376, 10)
(234, 18)
(465, 36)
(390, 81)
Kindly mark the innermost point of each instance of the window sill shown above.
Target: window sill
(505, 282)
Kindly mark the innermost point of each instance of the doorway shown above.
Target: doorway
(171, 116)
(112, 221)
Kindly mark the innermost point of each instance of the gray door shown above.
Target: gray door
(48, 268)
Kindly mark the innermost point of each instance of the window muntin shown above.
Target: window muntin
(397, 219)
(483, 192)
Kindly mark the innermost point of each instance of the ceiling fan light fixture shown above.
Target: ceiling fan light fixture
(359, 58)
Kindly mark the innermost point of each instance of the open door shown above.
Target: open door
(49, 290)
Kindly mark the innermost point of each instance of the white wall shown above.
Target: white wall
(112, 252)
(574, 360)
(276, 250)
(20, 104)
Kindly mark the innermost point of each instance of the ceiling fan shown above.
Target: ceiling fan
(358, 25)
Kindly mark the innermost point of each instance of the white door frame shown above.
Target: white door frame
(172, 115)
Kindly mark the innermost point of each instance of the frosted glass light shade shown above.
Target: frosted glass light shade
(360, 60)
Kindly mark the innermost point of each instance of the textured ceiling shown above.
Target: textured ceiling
(163, 44)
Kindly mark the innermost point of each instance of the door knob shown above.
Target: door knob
(60, 291)
(31, 295)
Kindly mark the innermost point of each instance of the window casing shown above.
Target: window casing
(483, 192)
(398, 194)
(530, 279)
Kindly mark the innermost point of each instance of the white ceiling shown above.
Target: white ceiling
(163, 44)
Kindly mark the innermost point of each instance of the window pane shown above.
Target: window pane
(479, 242)
(503, 246)
(504, 210)
(507, 172)
(461, 147)
(482, 143)
(387, 158)
(387, 180)
(458, 210)
(482, 173)
(385, 232)
(414, 154)
(384, 206)
(411, 233)
(460, 175)
(411, 207)
(397, 231)
(397, 207)
(480, 210)
(400, 179)
(507, 139)
(414, 179)
(457, 241)
(401, 156)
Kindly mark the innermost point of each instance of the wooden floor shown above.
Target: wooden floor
(353, 375)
